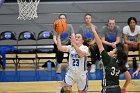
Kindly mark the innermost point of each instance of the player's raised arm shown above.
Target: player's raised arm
(97, 39)
(59, 45)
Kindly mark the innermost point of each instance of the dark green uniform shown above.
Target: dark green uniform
(111, 72)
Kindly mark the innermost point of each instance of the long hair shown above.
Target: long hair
(121, 57)
(131, 18)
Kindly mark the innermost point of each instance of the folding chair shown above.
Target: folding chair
(8, 43)
(27, 47)
(45, 45)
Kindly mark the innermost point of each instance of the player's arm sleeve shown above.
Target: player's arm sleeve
(124, 69)
(86, 49)
(54, 37)
(119, 31)
(118, 37)
(124, 30)
(103, 32)
(68, 48)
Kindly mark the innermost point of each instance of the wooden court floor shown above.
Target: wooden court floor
(52, 87)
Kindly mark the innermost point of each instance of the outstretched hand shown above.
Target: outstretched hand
(92, 27)
(135, 73)
(72, 39)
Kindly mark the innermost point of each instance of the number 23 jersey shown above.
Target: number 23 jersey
(77, 64)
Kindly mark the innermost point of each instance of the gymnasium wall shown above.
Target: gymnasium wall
(49, 11)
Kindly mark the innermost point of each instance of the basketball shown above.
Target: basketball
(60, 26)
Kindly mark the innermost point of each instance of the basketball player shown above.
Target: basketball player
(65, 41)
(113, 65)
(77, 68)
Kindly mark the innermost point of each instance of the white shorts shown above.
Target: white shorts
(80, 79)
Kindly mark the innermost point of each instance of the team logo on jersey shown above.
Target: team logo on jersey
(74, 55)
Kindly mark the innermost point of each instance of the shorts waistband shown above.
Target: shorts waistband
(114, 86)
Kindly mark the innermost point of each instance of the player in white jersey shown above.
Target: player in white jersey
(77, 66)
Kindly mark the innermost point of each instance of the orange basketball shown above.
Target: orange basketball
(60, 26)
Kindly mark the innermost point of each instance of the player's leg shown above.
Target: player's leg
(95, 55)
(59, 58)
(126, 49)
(113, 90)
(93, 59)
(82, 83)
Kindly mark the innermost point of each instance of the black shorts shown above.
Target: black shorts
(111, 90)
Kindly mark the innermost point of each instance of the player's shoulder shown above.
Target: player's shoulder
(117, 27)
(137, 26)
(126, 27)
(84, 47)
(82, 26)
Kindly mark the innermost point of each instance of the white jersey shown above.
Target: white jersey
(77, 64)
(132, 36)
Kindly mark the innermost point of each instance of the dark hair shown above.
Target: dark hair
(131, 18)
(80, 34)
(63, 15)
(121, 57)
(111, 19)
(87, 14)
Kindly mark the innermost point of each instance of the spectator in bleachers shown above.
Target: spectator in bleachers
(65, 41)
(131, 35)
(86, 32)
(111, 35)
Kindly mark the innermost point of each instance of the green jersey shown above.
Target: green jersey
(111, 70)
